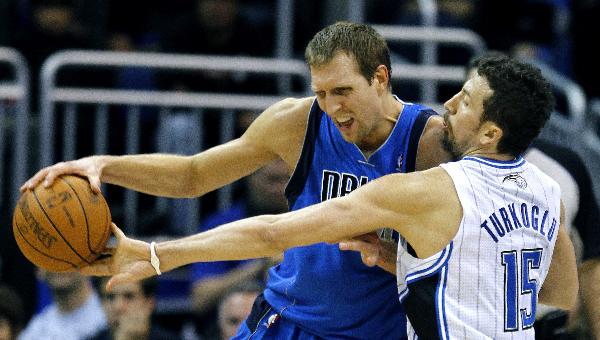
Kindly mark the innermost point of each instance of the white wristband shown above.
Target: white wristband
(154, 261)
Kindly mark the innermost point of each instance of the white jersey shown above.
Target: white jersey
(484, 284)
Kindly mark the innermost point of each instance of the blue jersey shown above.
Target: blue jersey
(328, 292)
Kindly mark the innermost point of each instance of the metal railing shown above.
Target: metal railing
(72, 98)
(14, 122)
(594, 116)
(430, 38)
(102, 99)
(564, 131)
(591, 136)
(574, 95)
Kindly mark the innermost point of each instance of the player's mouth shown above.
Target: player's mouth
(344, 124)
(446, 122)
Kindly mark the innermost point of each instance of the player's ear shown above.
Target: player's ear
(490, 133)
(381, 78)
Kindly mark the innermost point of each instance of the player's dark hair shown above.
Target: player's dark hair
(360, 41)
(520, 104)
(474, 62)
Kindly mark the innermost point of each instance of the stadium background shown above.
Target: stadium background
(43, 120)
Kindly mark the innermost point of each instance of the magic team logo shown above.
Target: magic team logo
(517, 179)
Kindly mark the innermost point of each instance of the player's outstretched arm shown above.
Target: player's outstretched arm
(561, 285)
(191, 176)
(388, 201)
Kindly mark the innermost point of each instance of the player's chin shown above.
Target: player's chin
(350, 137)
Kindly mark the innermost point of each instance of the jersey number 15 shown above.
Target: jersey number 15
(517, 281)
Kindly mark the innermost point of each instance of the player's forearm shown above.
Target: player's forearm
(589, 275)
(244, 239)
(269, 235)
(154, 174)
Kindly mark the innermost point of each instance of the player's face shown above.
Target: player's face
(463, 116)
(347, 97)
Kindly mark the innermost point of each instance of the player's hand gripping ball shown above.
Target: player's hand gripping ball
(63, 227)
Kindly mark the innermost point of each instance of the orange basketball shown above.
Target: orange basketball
(63, 227)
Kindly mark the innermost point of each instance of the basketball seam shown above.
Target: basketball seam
(55, 228)
(36, 249)
(87, 224)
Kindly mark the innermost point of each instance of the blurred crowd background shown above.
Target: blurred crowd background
(207, 301)
(555, 31)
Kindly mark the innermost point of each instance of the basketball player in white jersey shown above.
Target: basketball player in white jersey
(483, 238)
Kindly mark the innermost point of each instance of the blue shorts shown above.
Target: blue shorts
(265, 323)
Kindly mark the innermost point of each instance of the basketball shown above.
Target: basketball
(63, 227)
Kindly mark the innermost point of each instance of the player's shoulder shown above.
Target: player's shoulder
(548, 177)
(281, 128)
(289, 115)
(290, 108)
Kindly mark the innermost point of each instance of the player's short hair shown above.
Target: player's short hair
(360, 41)
(476, 60)
(520, 104)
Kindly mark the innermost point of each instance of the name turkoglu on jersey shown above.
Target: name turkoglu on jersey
(513, 218)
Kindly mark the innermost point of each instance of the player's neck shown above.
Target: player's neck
(391, 110)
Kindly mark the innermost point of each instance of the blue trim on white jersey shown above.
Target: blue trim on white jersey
(442, 261)
(494, 163)
(403, 294)
(431, 269)
(441, 312)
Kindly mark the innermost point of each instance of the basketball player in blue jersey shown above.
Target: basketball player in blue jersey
(483, 238)
(354, 131)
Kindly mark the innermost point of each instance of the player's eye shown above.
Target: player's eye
(342, 91)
